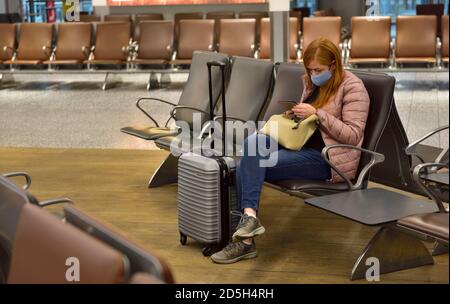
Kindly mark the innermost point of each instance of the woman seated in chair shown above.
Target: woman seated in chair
(340, 101)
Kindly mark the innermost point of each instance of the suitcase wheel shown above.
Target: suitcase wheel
(207, 251)
(183, 239)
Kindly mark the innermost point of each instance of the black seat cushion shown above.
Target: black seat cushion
(303, 185)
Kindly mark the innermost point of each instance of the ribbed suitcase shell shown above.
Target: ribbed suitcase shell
(199, 197)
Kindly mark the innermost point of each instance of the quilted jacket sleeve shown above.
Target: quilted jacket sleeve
(355, 109)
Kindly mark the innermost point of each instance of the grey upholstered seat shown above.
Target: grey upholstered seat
(194, 98)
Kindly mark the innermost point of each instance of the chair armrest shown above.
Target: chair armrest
(86, 50)
(376, 159)
(393, 55)
(63, 200)
(256, 55)
(347, 49)
(175, 108)
(23, 174)
(174, 55)
(138, 105)
(229, 118)
(6, 48)
(418, 170)
(411, 148)
(47, 50)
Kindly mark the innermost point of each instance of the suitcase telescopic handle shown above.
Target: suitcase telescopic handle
(222, 66)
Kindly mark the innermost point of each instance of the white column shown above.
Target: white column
(3, 7)
(279, 30)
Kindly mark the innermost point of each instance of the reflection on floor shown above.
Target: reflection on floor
(302, 244)
(72, 111)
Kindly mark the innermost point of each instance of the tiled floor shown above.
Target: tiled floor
(72, 111)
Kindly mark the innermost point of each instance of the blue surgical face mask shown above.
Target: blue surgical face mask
(322, 78)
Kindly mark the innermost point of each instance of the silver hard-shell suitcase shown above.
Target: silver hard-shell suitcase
(207, 192)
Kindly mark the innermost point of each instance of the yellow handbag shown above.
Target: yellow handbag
(291, 133)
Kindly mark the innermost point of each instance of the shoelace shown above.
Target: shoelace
(242, 217)
(232, 247)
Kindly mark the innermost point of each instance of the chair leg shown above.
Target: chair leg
(105, 82)
(165, 79)
(6, 78)
(439, 249)
(395, 251)
(167, 173)
(152, 82)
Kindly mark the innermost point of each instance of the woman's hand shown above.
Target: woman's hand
(304, 110)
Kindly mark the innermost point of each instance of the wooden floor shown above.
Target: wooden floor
(302, 244)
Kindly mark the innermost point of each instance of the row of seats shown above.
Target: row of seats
(253, 92)
(135, 21)
(76, 43)
(158, 45)
(35, 245)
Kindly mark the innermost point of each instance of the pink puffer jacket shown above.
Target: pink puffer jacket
(342, 121)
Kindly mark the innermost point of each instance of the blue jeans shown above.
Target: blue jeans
(250, 175)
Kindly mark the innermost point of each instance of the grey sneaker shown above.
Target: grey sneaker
(247, 228)
(235, 252)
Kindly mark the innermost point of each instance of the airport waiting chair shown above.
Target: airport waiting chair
(183, 16)
(73, 44)
(370, 41)
(428, 227)
(325, 27)
(194, 99)
(351, 199)
(432, 178)
(7, 41)
(90, 18)
(395, 171)
(288, 87)
(380, 88)
(217, 16)
(118, 18)
(34, 244)
(237, 37)
(43, 243)
(432, 181)
(35, 41)
(195, 35)
(143, 17)
(434, 10)
(257, 16)
(155, 45)
(264, 40)
(403, 221)
(144, 266)
(246, 95)
(416, 40)
(107, 51)
(445, 33)
(12, 199)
